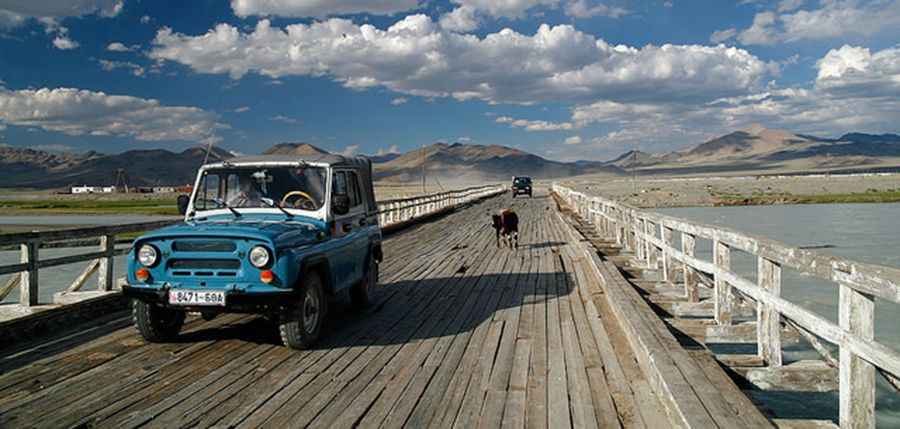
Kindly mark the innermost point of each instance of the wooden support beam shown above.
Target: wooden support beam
(105, 269)
(669, 270)
(82, 278)
(769, 324)
(28, 284)
(691, 291)
(9, 286)
(856, 314)
(723, 295)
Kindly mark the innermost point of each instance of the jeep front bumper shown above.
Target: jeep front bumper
(236, 301)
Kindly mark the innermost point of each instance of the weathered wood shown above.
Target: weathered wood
(769, 321)
(799, 376)
(856, 313)
(691, 291)
(723, 296)
(105, 269)
(85, 274)
(11, 284)
(28, 284)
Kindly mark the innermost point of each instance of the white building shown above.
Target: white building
(93, 189)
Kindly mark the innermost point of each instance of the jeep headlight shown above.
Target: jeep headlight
(260, 257)
(147, 255)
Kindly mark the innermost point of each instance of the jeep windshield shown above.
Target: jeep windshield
(522, 181)
(235, 188)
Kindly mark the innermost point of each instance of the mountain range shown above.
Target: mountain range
(752, 150)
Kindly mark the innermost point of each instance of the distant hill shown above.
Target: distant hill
(472, 163)
(29, 168)
(759, 149)
(300, 149)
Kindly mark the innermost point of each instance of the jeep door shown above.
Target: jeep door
(349, 230)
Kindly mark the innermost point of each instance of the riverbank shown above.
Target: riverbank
(747, 190)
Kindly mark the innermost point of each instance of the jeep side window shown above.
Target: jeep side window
(339, 185)
(355, 196)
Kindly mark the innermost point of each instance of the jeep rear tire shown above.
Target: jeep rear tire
(156, 324)
(301, 325)
(361, 293)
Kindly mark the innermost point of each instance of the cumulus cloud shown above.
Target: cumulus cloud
(584, 9)
(505, 8)
(118, 47)
(573, 140)
(78, 112)
(415, 56)
(399, 100)
(832, 19)
(392, 149)
(461, 19)
(14, 13)
(350, 150)
(134, 69)
(319, 8)
(856, 71)
(530, 125)
(722, 35)
(241, 109)
(64, 43)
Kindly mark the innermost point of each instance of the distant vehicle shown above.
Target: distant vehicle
(271, 235)
(521, 185)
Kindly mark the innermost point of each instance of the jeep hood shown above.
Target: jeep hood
(280, 232)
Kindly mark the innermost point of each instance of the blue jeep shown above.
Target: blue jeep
(273, 235)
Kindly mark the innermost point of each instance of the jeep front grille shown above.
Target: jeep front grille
(204, 246)
(204, 264)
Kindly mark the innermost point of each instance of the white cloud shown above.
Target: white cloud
(461, 19)
(584, 9)
(506, 8)
(284, 119)
(722, 35)
(146, 19)
(118, 47)
(319, 8)
(77, 112)
(399, 100)
(855, 71)
(350, 150)
(393, 149)
(64, 43)
(133, 68)
(241, 109)
(833, 19)
(573, 140)
(417, 57)
(14, 13)
(530, 125)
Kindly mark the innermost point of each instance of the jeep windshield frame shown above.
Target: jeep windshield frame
(300, 188)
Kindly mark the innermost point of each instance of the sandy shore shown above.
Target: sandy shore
(749, 190)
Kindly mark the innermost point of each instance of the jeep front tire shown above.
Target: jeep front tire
(301, 325)
(155, 323)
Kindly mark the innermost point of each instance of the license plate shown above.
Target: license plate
(196, 297)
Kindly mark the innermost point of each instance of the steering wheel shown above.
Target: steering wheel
(301, 203)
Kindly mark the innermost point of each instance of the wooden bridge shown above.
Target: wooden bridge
(567, 331)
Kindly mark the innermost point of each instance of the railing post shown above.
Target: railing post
(649, 247)
(724, 296)
(856, 312)
(668, 271)
(691, 292)
(28, 283)
(105, 272)
(768, 324)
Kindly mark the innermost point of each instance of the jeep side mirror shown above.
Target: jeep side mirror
(340, 204)
(183, 201)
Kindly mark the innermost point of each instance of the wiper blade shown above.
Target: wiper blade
(271, 203)
(221, 203)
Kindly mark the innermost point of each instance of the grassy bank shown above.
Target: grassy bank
(870, 196)
(88, 206)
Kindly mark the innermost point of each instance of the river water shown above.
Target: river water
(861, 232)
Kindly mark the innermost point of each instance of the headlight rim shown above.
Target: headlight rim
(156, 254)
(267, 261)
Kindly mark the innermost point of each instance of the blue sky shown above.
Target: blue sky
(565, 79)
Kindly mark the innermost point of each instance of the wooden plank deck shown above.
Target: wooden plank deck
(461, 334)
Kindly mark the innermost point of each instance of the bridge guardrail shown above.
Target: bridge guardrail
(649, 236)
(391, 213)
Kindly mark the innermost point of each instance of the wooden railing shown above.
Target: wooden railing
(391, 213)
(402, 210)
(99, 261)
(650, 237)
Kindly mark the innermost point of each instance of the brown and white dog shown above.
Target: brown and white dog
(506, 228)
